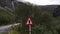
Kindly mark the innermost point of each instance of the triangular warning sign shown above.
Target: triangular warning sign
(29, 22)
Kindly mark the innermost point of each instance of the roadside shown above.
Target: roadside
(9, 29)
(13, 32)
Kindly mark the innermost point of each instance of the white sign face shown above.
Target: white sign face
(29, 21)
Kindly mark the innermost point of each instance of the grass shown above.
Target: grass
(13, 32)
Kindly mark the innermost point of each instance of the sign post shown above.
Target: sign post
(29, 23)
(29, 29)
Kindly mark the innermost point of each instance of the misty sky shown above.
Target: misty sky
(43, 2)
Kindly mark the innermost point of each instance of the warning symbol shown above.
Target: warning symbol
(29, 22)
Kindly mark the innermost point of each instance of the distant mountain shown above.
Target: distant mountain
(49, 8)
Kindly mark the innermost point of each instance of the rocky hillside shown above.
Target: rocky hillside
(7, 3)
(14, 3)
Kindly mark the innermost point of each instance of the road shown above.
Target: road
(7, 27)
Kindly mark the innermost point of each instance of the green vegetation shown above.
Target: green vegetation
(44, 23)
(13, 32)
(5, 17)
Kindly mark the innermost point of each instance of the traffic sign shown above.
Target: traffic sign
(29, 21)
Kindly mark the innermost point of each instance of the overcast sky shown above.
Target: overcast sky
(43, 2)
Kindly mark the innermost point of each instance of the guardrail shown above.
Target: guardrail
(8, 27)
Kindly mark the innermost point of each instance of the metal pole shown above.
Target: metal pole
(29, 29)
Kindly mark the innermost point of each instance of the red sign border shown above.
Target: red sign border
(27, 20)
